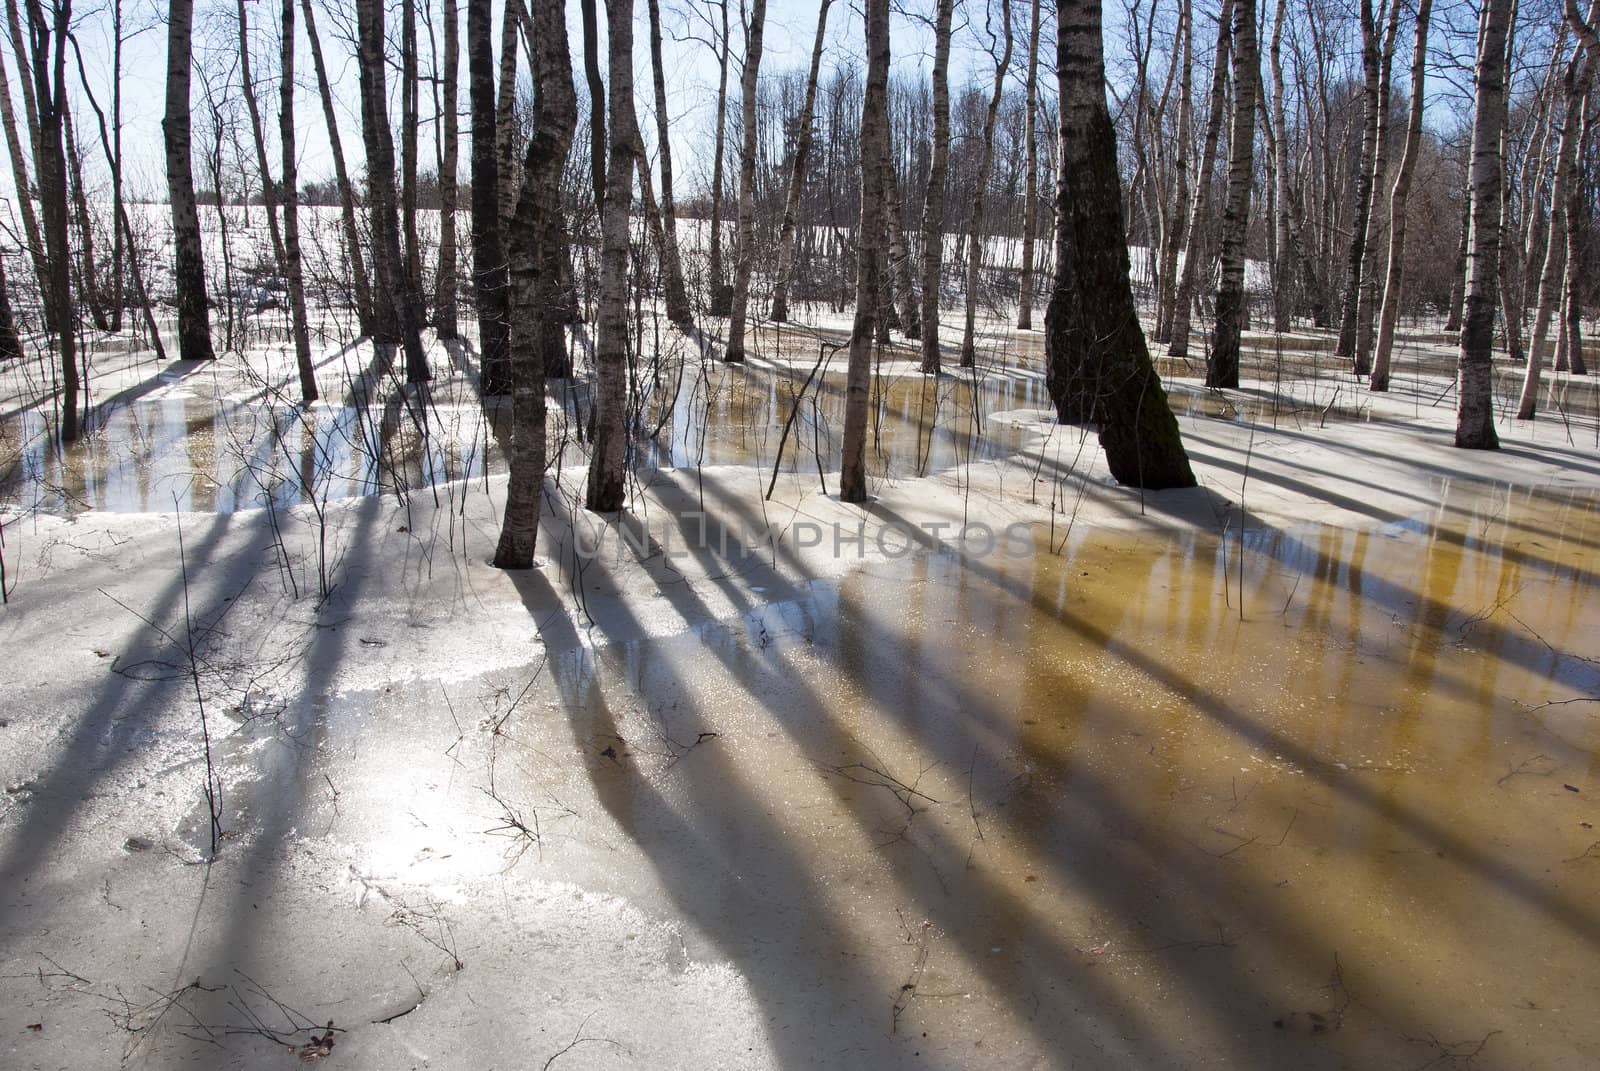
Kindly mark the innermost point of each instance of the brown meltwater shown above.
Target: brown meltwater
(1085, 810)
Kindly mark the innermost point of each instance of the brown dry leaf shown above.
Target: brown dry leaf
(318, 1047)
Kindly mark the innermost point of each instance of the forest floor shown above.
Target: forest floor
(1296, 768)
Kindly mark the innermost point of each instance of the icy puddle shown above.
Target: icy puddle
(1051, 811)
(200, 455)
(193, 453)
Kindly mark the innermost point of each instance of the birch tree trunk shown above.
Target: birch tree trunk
(679, 311)
(1030, 195)
(985, 161)
(1371, 64)
(507, 188)
(88, 277)
(1458, 279)
(535, 275)
(1222, 363)
(490, 280)
(721, 294)
(1394, 277)
(1474, 379)
(1367, 297)
(899, 267)
(189, 268)
(1097, 366)
(1579, 76)
(381, 194)
(609, 447)
(869, 252)
(47, 34)
(445, 285)
(1178, 220)
(1183, 298)
(745, 240)
(410, 120)
(290, 193)
(120, 210)
(597, 103)
(1283, 278)
(797, 176)
(1570, 355)
(933, 203)
(360, 281)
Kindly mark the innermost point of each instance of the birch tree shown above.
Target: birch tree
(933, 200)
(869, 252)
(1371, 68)
(745, 238)
(47, 31)
(985, 160)
(1222, 363)
(797, 175)
(383, 209)
(1383, 344)
(489, 271)
(1577, 79)
(1189, 269)
(289, 195)
(1474, 376)
(360, 281)
(189, 268)
(606, 490)
(679, 310)
(1030, 194)
(1097, 366)
(445, 284)
(535, 275)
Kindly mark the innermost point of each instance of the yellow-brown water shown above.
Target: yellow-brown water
(1079, 808)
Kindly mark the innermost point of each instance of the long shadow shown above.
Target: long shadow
(811, 725)
(114, 723)
(701, 891)
(1564, 908)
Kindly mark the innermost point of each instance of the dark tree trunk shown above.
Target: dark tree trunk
(189, 268)
(933, 201)
(535, 278)
(489, 270)
(383, 209)
(444, 299)
(1030, 195)
(597, 103)
(1474, 377)
(607, 490)
(869, 252)
(721, 294)
(1371, 65)
(679, 310)
(1189, 270)
(360, 281)
(88, 272)
(1222, 363)
(1097, 365)
(744, 258)
(797, 175)
(290, 193)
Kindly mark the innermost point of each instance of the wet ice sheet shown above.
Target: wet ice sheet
(940, 812)
(1077, 805)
